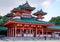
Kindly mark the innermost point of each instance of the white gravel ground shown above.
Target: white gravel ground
(33, 41)
(10, 40)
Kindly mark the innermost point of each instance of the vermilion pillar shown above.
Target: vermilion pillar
(36, 32)
(33, 32)
(8, 33)
(30, 31)
(42, 33)
(39, 33)
(26, 33)
(20, 33)
(47, 34)
(23, 31)
(11, 32)
(54, 36)
(15, 31)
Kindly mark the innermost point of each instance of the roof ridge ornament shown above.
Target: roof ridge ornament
(26, 2)
(41, 11)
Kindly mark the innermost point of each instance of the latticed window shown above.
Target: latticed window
(24, 31)
(59, 34)
(40, 32)
(18, 30)
(28, 31)
(44, 32)
(49, 33)
(31, 31)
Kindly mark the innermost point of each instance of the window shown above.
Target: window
(24, 31)
(40, 32)
(49, 33)
(18, 31)
(59, 34)
(28, 31)
(44, 32)
(31, 31)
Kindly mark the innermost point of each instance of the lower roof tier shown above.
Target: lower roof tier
(54, 27)
(2, 28)
(31, 20)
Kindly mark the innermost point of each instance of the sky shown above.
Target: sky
(52, 7)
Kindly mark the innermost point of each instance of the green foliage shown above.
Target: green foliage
(55, 20)
(0, 20)
(0, 17)
(3, 19)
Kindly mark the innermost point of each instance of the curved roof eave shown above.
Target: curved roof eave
(54, 27)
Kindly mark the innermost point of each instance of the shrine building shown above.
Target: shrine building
(21, 23)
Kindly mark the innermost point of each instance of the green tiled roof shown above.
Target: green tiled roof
(40, 12)
(31, 20)
(3, 28)
(54, 27)
(9, 14)
(17, 9)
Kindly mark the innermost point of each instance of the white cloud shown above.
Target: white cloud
(46, 4)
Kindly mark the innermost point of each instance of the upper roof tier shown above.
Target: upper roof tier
(40, 13)
(23, 7)
(27, 6)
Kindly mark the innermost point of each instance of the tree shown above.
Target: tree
(55, 20)
(3, 30)
(0, 17)
(3, 19)
(0, 20)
